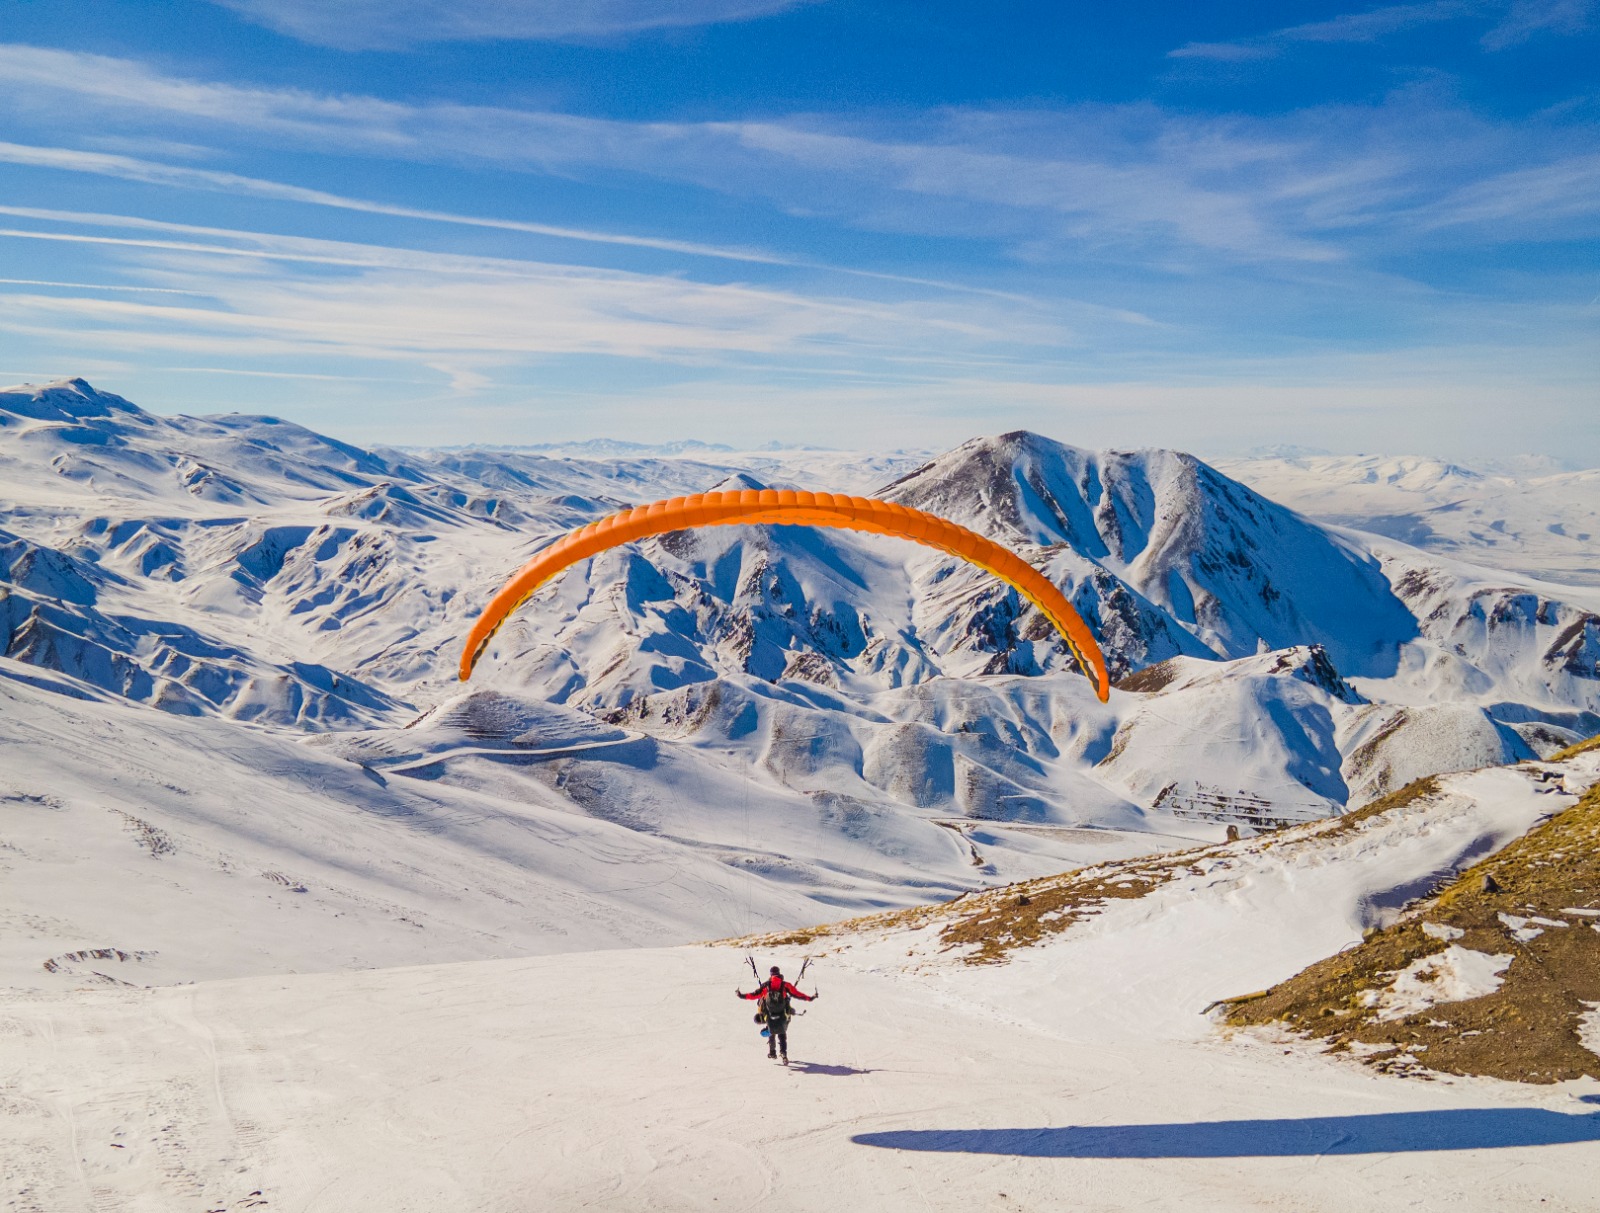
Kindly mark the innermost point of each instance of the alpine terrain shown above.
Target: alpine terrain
(293, 918)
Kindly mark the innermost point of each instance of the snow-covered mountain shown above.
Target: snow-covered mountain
(1527, 516)
(1157, 539)
(232, 746)
(845, 720)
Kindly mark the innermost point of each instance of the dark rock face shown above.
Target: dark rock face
(1577, 649)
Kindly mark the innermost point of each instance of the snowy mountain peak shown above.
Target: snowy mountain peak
(1226, 565)
(738, 482)
(65, 400)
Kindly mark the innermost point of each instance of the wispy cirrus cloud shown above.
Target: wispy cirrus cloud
(1514, 21)
(1366, 26)
(98, 286)
(1129, 185)
(1525, 18)
(130, 168)
(1551, 193)
(1098, 177)
(278, 296)
(397, 24)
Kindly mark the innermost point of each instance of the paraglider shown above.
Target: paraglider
(776, 1009)
(791, 507)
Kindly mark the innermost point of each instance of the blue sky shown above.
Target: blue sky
(849, 223)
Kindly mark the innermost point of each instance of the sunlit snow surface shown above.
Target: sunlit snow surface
(633, 1079)
(1528, 516)
(1454, 975)
(233, 752)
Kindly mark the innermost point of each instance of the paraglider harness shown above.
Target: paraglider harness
(776, 1008)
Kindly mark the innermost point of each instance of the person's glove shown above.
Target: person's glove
(739, 992)
(816, 996)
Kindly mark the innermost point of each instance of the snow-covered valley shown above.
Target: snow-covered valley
(234, 752)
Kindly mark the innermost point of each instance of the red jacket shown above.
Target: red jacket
(777, 985)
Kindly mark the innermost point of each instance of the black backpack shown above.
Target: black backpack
(775, 1008)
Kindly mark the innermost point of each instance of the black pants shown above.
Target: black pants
(778, 1037)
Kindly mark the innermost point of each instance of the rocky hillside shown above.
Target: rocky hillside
(1497, 973)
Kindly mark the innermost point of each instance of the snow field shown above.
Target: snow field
(1538, 520)
(194, 849)
(633, 1079)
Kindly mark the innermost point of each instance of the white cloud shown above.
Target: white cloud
(186, 177)
(1224, 52)
(1518, 20)
(1545, 194)
(1529, 17)
(133, 169)
(1376, 23)
(97, 286)
(1165, 191)
(1132, 194)
(395, 24)
(435, 309)
(1091, 178)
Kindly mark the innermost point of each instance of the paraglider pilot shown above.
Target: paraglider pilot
(776, 1011)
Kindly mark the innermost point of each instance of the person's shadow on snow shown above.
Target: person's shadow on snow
(1379, 1133)
(816, 1067)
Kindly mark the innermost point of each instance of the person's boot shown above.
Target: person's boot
(771, 1053)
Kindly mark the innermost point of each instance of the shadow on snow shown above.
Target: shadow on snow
(816, 1067)
(1382, 1133)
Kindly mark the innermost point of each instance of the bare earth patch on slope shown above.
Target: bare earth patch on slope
(992, 923)
(1572, 751)
(1493, 976)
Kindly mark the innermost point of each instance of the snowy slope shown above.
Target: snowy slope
(1081, 1071)
(146, 849)
(198, 849)
(1239, 917)
(1496, 638)
(1539, 521)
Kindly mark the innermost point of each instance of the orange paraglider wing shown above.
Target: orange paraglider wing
(791, 507)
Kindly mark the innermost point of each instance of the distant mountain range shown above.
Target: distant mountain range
(847, 719)
(1525, 514)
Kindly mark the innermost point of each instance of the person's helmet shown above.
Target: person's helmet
(776, 971)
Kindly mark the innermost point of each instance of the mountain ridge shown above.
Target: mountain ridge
(253, 569)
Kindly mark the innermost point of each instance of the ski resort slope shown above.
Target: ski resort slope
(1082, 1074)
